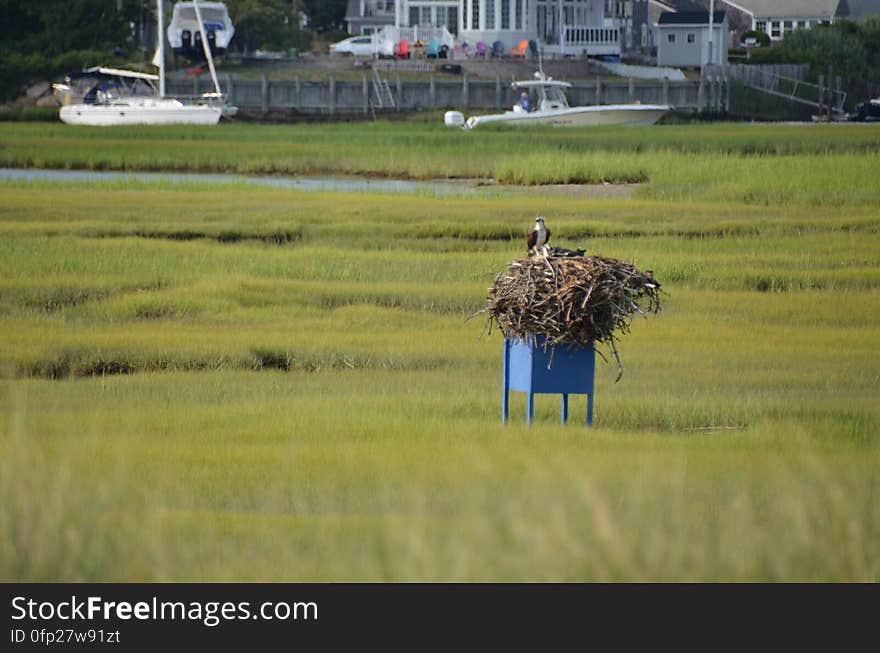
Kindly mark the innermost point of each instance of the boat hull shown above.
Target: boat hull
(613, 114)
(155, 114)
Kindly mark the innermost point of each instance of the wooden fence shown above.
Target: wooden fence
(333, 96)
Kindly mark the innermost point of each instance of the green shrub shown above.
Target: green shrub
(17, 70)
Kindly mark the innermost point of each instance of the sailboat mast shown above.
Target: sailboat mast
(207, 48)
(159, 59)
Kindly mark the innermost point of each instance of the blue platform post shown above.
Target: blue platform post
(590, 409)
(531, 368)
(505, 384)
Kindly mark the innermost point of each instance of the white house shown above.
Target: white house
(368, 16)
(777, 17)
(562, 27)
(683, 39)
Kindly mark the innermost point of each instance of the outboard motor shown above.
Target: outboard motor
(212, 41)
(453, 119)
(186, 39)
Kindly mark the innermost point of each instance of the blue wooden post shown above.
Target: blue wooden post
(590, 409)
(505, 384)
(528, 368)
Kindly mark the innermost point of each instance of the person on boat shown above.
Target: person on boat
(525, 102)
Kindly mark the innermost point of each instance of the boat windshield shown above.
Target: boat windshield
(556, 95)
(209, 15)
(111, 90)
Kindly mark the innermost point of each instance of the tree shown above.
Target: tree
(261, 23)
(837, 45)
(325, 15)
(51, 27)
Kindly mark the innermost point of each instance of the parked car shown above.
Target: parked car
(362, 46)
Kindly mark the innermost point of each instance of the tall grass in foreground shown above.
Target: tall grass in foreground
(380, 476)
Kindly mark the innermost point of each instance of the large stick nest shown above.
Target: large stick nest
(570, 300)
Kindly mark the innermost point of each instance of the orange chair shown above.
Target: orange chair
(520, 50)
(401, 50)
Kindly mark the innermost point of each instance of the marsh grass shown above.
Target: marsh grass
(225, 383)
(819, 164)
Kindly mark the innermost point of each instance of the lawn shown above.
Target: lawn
(217, 382)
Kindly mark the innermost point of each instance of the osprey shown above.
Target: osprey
(538, 237)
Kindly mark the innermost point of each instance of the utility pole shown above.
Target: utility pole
(711, 30)
(159, 57)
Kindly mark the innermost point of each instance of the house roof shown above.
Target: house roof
(679, 5)
(789, 8)
(857, 9)
(687, 5)
(352, 9)
(690, 18)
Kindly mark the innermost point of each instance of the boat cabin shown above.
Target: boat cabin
(101, 85)
(545, 94)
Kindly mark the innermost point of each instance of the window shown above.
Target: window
(787, 25)
(802, 24)
(505, 14)
(490, 14)
(517, 14)
(475, 14)
(426, 16)
(670, 38)
(692, 38)
(775, 29)
(761, 26)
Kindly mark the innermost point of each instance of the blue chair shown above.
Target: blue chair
(533, 49)
(433, 50)
(498, 49)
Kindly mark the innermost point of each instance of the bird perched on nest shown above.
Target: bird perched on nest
(538, 238)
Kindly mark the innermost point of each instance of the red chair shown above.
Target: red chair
(401, 50)
(520, 50)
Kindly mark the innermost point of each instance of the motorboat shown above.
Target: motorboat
(867, 111)
(552, 108)
(111, 102)
(185, 34)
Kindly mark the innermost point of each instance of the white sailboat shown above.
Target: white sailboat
(156, 110)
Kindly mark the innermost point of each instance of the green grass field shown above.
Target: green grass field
(206, 382)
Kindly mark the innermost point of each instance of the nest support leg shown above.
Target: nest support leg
(590, 410)
(530, 408)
